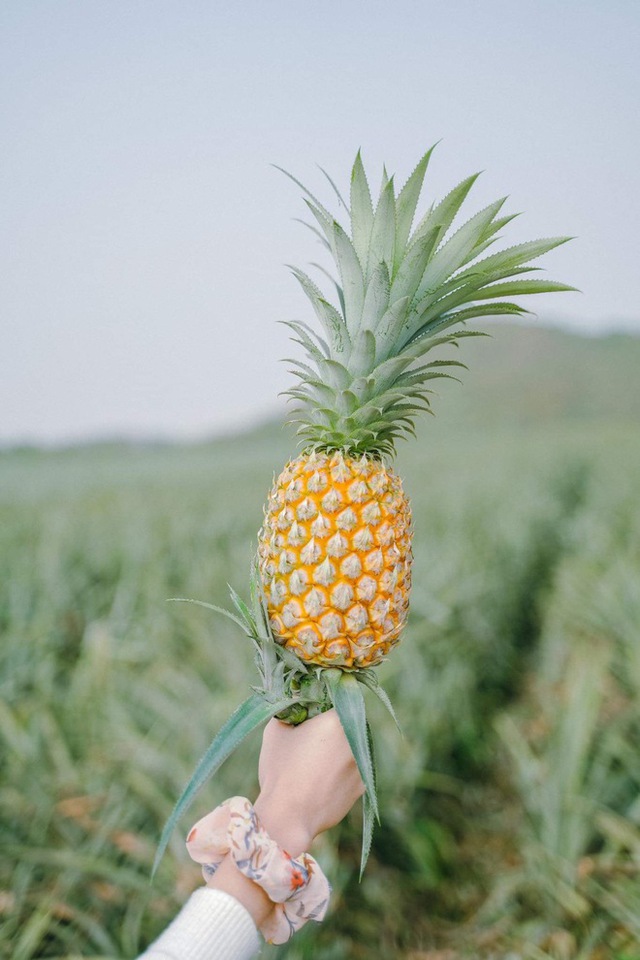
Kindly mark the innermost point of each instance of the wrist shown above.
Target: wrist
(287, 828)
(229, 879)
(258, 854)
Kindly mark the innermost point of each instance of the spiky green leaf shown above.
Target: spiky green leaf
(444, 213)
(368, 823)
(347, 698)
(515, 256)
(376, 300)
(383, 232)
(242, 609)
(363, 354)
(332, 323)
(351, 277)
(461, 316)
(323, 240)
(407, 202)
(334, 187)
(390, 326)
(318, 350)
(211, 606)
(304, 189)
(450, 256)
(361, 211)
(414, 264)
(249, 715)
(522, 287)
(370, 680)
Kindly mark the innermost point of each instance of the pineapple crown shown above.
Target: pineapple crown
(399, 290)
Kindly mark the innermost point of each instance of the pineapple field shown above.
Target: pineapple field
(511, 805)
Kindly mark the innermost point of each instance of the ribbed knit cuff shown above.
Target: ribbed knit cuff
(212, 925)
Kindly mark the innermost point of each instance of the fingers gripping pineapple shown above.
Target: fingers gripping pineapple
(331, 594)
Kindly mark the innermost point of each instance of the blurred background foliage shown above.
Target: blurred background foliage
(511, 807)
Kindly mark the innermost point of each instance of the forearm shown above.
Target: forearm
(212, 925)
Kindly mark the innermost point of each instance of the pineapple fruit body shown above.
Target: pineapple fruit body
(335, 559)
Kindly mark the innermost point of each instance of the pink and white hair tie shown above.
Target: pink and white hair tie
(297, 886)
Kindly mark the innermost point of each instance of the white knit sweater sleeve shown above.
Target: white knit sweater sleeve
(212, 925)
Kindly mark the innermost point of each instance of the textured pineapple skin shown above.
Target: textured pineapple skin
(335, 559)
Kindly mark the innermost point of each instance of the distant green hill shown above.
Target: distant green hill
(529, 374)
(522, 377)
(525, 375)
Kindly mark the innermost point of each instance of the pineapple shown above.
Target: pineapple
(335, 557)
(330, 590)
(335, 548)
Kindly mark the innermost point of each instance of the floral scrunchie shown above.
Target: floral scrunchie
(298, 887)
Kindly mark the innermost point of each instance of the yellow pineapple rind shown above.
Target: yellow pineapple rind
(335, 559)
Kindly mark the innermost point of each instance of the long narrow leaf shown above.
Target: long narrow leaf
(371, 681)
(350, 276)
(444, 212)
(389, 327)
(335, 188)
(349, 703)
(333, 324)
(332, 280)
(516, 256)
(383, 231)
(249, 715)
(368, 820)
(361, 211)
(322, 210)
(522, 287)
(412, 268)
(242, 608)
(363, 355)
(415, 346)
(376, 300)
(451, 255)
(211, 606)
(314, 230)
(408, 201)
(325, 223)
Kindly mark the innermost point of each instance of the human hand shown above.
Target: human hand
(308, 779)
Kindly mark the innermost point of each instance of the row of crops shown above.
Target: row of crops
(511, 806)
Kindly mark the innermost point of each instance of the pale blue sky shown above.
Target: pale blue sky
(144, 233)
